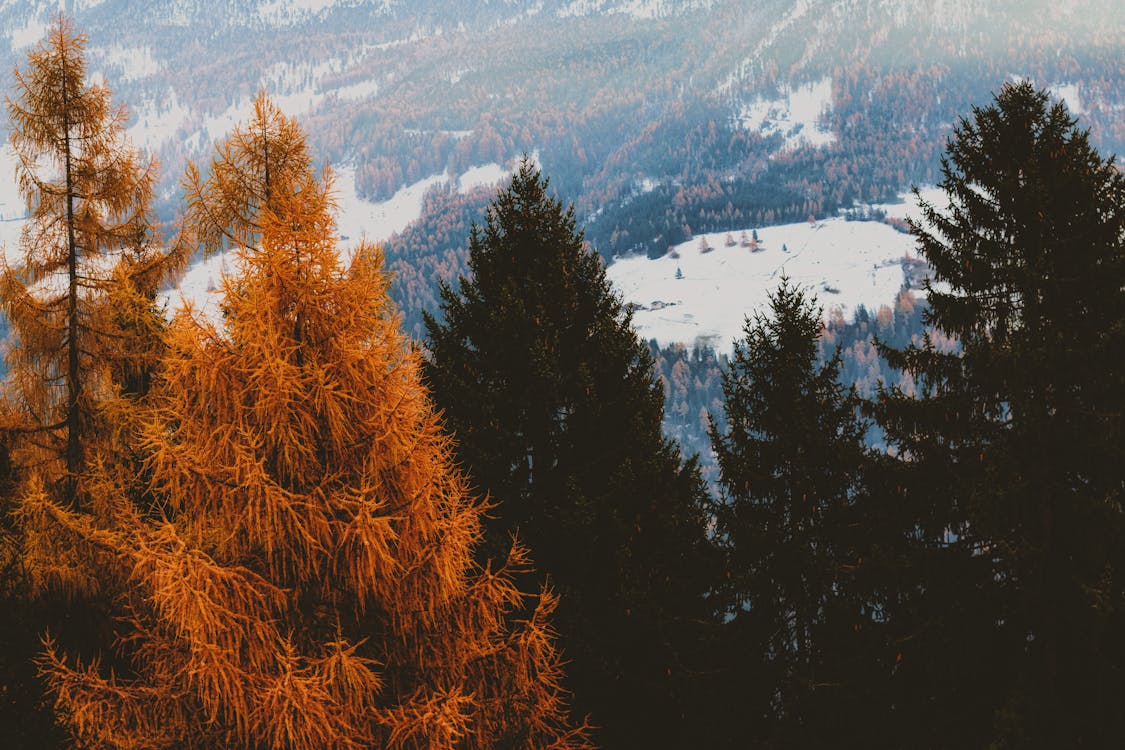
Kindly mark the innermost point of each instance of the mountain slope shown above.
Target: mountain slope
(661, 120)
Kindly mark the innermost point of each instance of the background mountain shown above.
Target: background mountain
(661, 120)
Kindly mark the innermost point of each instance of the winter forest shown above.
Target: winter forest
(302, 519)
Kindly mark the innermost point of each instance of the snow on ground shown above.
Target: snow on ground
(133, 63)
(30, 34)
(156, 122)
(12, 208)
(1067, 93)
(293, 11)
(378, 221)
(201, 286)
(906, 207)
(483, 176)
(795, 115)
(639, 9)
(357, 219)
(846, 264)
(357, 91)
(360, 218)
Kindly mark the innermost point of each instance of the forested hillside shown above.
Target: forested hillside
(657, 119)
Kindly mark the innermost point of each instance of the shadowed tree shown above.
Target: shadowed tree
(558, 416)
(791, 453)
(1014, 447)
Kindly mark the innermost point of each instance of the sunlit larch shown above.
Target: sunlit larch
(304, 577)
(79, 293)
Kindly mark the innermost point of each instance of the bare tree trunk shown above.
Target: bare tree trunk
(73, 384)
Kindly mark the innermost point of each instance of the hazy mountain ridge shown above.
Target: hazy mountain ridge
(660, 120)
(409, 71)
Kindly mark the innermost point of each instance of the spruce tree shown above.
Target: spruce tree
(1013, 450)
(791, 454)
(304, 578)
(557, 414)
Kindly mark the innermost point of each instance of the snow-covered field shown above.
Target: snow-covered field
(361, 218)
(704, 296)
(907, 207)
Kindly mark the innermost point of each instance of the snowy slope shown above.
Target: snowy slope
(357, 219)
(12, 209)
(797, 114)
(845, 263)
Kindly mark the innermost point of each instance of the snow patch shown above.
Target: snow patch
(157, 121)
(1067, 93)
(288, 77)
(135, 63)
(377, 221)
(797, 115)
(486, 175)
(640, 9)
(11, 202)
(356, 91)
(12, 208)
(293, 11)
(31, 33)
(200, 287)
(906, 207)
(845, 263)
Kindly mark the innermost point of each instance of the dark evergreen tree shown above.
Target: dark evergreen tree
(1014, 452)
(792, 456)
(557, 415)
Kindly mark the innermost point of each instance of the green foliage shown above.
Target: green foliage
(1013, 449)
(557, 415)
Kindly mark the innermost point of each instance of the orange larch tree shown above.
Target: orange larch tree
(81, 303)
(80, 299)
(305, 576)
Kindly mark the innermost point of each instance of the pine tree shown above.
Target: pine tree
(791, 454)
(305, 576)
(558, 415)
(1014, 447)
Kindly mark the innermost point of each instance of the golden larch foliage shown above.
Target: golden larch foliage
(80, 299)
(304, 578)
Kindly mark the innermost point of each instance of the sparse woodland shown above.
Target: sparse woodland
(288, 526)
